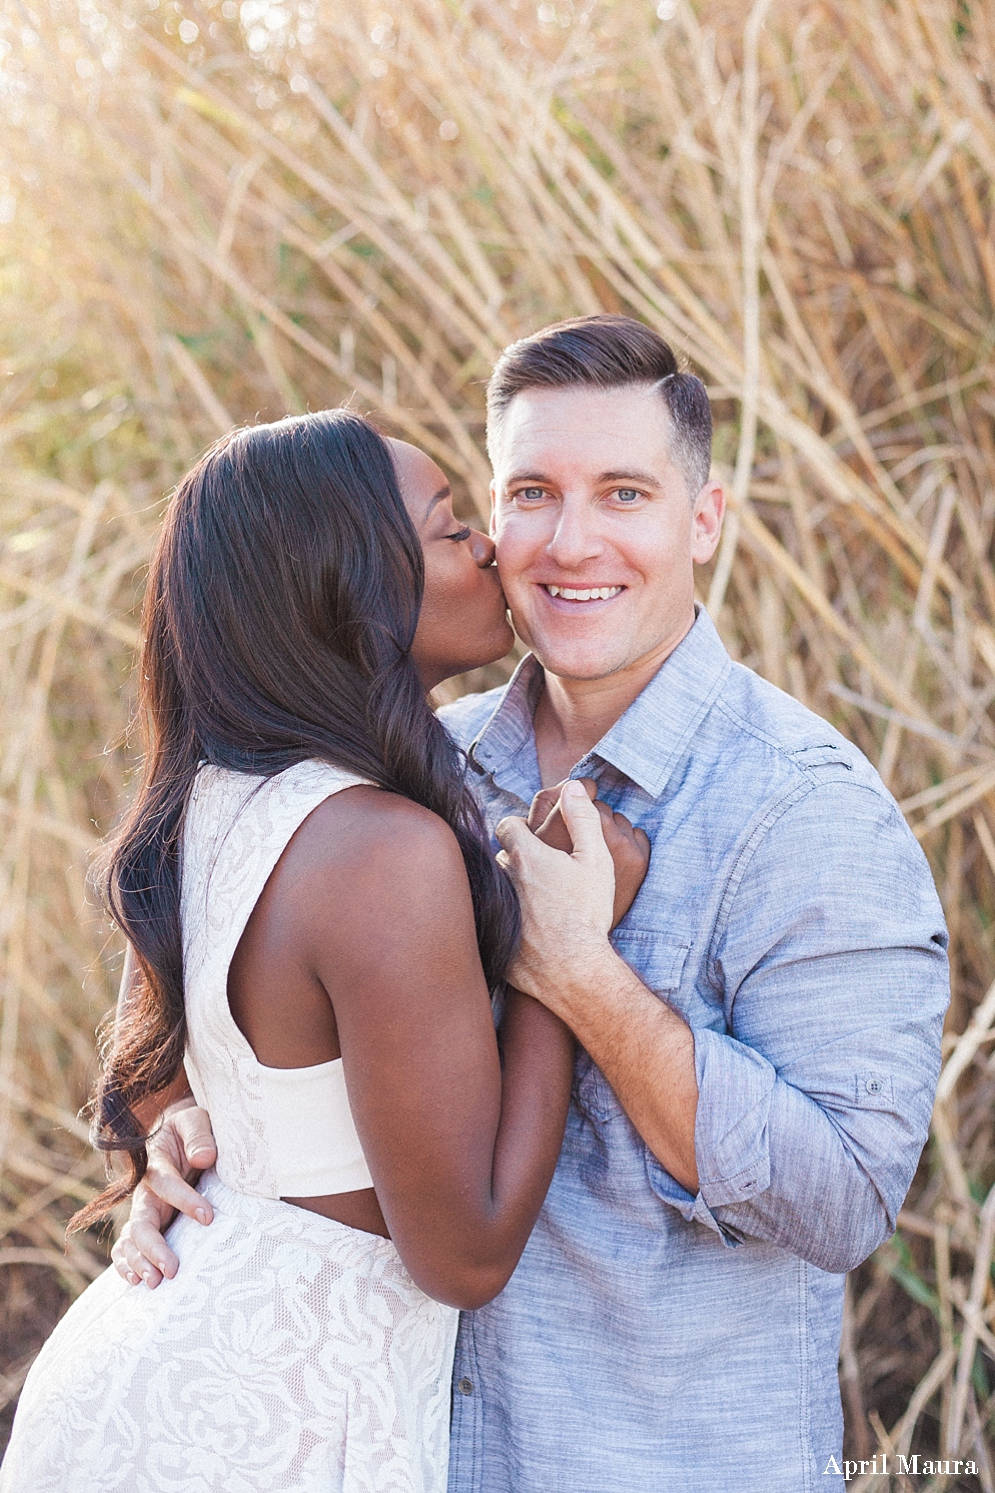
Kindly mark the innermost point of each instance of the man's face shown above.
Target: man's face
(596, 533)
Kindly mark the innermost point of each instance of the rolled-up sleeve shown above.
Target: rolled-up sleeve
(830, 958)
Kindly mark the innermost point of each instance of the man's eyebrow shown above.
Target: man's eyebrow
(645, 479)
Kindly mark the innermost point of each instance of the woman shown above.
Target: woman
(321, 974)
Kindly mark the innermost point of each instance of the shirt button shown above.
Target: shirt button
(873, 1085)
(465, 1386)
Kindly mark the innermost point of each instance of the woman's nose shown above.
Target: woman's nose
(483, 548)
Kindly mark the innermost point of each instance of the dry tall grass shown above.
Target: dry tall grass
(213, 213)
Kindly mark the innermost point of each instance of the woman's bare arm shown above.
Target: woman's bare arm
(461, 1151)
(141, 1250)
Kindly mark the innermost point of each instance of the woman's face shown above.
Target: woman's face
(463, 621)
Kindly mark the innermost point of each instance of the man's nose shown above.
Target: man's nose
(575, 538)
(483, 549)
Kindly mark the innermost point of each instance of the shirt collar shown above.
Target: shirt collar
(507, 733)
(650, 738)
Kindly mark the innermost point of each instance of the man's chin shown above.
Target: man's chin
(568, 664)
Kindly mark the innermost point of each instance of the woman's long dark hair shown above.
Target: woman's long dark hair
(282, 602)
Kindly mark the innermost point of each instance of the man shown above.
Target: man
(758, 1043)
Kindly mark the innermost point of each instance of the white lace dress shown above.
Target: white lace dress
(290, 1353)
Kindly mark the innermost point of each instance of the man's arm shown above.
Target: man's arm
(642, 1046)
(813, 1096)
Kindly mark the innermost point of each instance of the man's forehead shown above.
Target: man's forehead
(584, 430)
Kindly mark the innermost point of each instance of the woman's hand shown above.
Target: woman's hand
(630, 847)
(567, 898)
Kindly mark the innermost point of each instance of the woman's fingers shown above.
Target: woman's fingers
(631, 854)
(542, 806)
(608, 826)
(552, 831)
(544, 812)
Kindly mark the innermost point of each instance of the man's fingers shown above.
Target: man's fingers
(179, 1197)
(193, 1126)
(131, 1263)
(119, 1257)
(583, 820)
(512, 833)
(141, 1253)
(151, 1250)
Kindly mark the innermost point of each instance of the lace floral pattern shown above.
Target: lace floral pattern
(289, 1355)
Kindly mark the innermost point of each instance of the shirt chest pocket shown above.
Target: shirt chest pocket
(659, 962)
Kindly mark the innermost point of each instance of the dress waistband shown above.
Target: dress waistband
(293, 1225)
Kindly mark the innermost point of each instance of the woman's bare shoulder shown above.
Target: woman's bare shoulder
(372, 827)
(375, 894)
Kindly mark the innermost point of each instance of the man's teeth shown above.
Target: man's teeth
(594, 593)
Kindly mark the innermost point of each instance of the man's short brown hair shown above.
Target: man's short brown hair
(608, 352)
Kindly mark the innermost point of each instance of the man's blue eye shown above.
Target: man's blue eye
(626, 494)
(532, 493)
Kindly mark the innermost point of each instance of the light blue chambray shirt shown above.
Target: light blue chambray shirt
(654, 1342)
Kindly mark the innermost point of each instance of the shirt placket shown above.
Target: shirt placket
(466, 1431)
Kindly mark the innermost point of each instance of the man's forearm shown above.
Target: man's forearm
(644, 1049)
(825, 1187)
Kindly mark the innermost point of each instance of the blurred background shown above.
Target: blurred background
(214, 212)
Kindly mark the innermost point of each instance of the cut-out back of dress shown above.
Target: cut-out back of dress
(280, 1132)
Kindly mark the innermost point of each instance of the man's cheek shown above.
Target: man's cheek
(510, 564)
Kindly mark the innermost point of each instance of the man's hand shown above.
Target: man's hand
(567, 898)
(179, 1151)
(642, 1046)
(630, 848)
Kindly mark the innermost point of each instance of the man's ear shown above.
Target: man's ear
(706, 523)
(492, 530)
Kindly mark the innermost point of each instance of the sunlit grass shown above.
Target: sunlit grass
(211, 214)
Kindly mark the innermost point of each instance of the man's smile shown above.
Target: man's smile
(576, 594)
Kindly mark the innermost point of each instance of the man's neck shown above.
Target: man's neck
(572, 715)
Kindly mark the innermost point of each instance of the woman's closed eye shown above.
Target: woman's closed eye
(461, 534)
